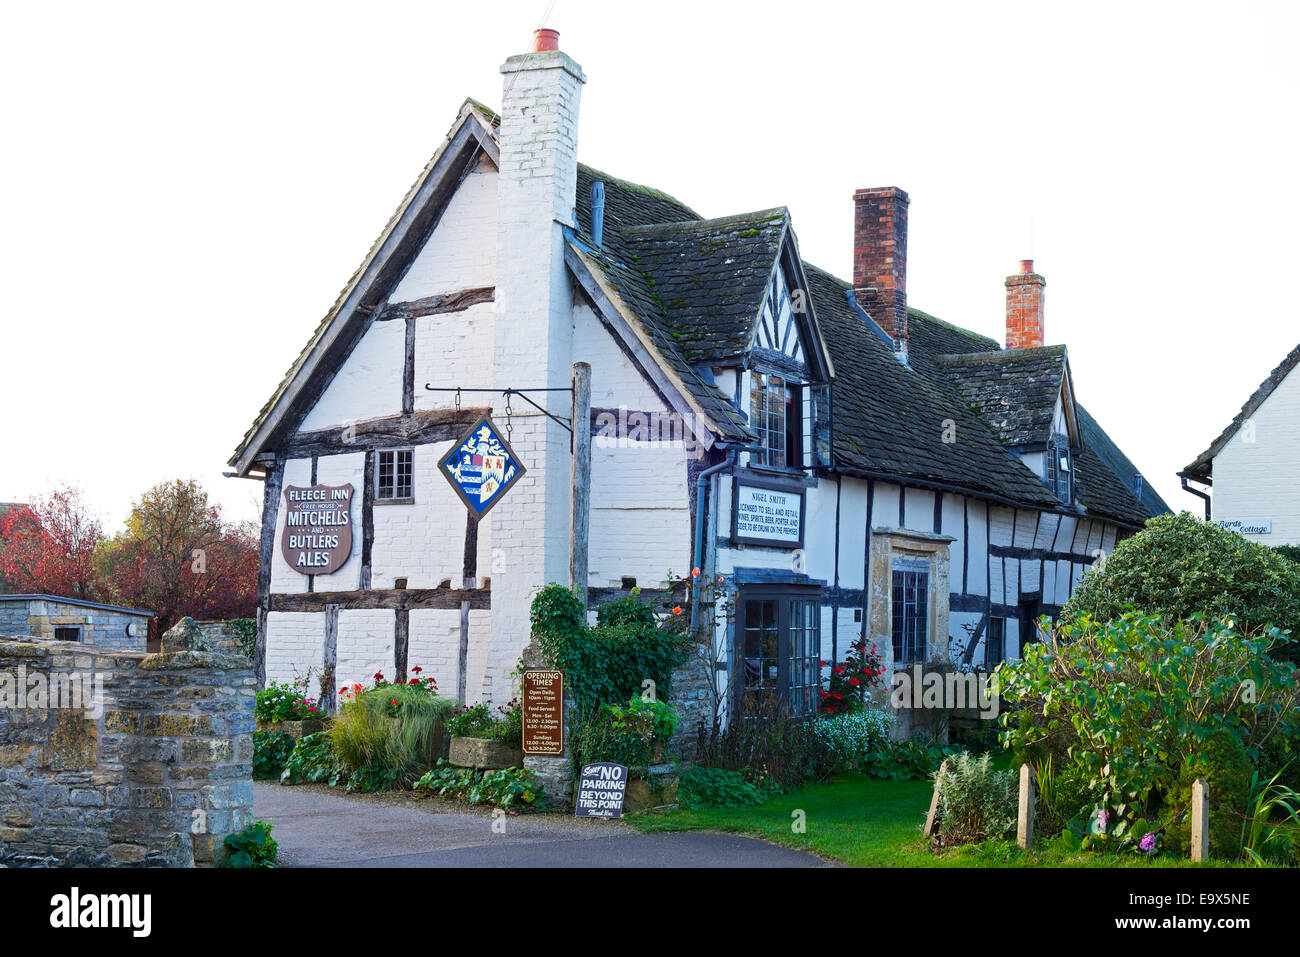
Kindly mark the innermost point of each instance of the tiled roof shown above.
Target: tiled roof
(890, 420)
(1014, 391)
(1203, 466)
(710, 276)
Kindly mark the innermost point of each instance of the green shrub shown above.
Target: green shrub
(504, 788)
(611, 661)
(1271, 835)
(975, 800)
(389, 735)
(312, 761)
(283, 702)
(1223, 763)
(701, 787)
(252, 847)
(1135, 700)
(1179, 566)
(595, 737)
(271, 749)
(854, 739)
(912, 760)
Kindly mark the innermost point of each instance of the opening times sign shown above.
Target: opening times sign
(543, 694)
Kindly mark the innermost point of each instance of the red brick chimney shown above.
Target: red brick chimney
(1025, 307)
(880, 258)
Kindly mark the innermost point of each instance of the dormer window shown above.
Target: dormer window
(1058, 468)
(776, 411)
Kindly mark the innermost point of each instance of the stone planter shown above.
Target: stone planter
(483, 753)
(298, 729)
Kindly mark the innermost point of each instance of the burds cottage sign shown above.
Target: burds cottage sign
(317, 536)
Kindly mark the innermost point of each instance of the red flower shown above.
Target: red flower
(677, 609)
(416, 670)
(393, 702)
(854, 681)
(695, 573)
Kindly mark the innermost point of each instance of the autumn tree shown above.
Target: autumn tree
(48, 547)
(177, 556)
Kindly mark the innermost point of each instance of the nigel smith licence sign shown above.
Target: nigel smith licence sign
(317, 536)
(481, 467)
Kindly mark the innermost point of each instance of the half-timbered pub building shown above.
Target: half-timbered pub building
(847, 464)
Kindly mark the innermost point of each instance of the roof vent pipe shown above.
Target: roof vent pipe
(597, 212)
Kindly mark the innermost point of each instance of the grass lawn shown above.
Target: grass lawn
(868, 823)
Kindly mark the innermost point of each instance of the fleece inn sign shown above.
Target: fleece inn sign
(317, 536)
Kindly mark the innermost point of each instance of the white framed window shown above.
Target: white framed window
(395, 475)
(776, 412)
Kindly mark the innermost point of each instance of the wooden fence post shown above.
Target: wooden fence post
(931, 817)
(1200, 820)
(1025, 820)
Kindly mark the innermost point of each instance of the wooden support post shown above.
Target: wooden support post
(581, 476)
(1200, 820)
(1025, 820)
(932, 816)
(469, 576)
(329, 681)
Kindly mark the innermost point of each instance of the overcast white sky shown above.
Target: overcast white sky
(184, 188)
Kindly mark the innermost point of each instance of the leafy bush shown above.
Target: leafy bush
(912, 760)
(1134, 702)
(271, 749)
(478, 721)
(1179, 566)
(1223, 763)
(284, 702)
(701, 787)
(608, 662)
(388, 735)
(853, 739)
(975, 801)
(252, 847)
(312, 761)
(848, 681)
(623, 734)
(505, 788)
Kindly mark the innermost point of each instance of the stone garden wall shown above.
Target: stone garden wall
(157, 773)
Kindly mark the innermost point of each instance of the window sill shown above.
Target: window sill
(394, 501)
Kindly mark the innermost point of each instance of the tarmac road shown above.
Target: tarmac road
(319, 827)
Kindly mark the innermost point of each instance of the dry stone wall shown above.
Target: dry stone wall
(118, 758)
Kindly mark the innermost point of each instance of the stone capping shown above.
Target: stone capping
(154, 771)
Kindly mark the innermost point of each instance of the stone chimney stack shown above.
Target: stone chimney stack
(532, 338)
(880, 258)
(1025, 308)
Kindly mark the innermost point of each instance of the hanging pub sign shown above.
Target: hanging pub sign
(317, 536)
(543, 694)
(601, 789)
(481, 467)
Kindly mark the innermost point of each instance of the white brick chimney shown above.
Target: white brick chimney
(536, 189)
